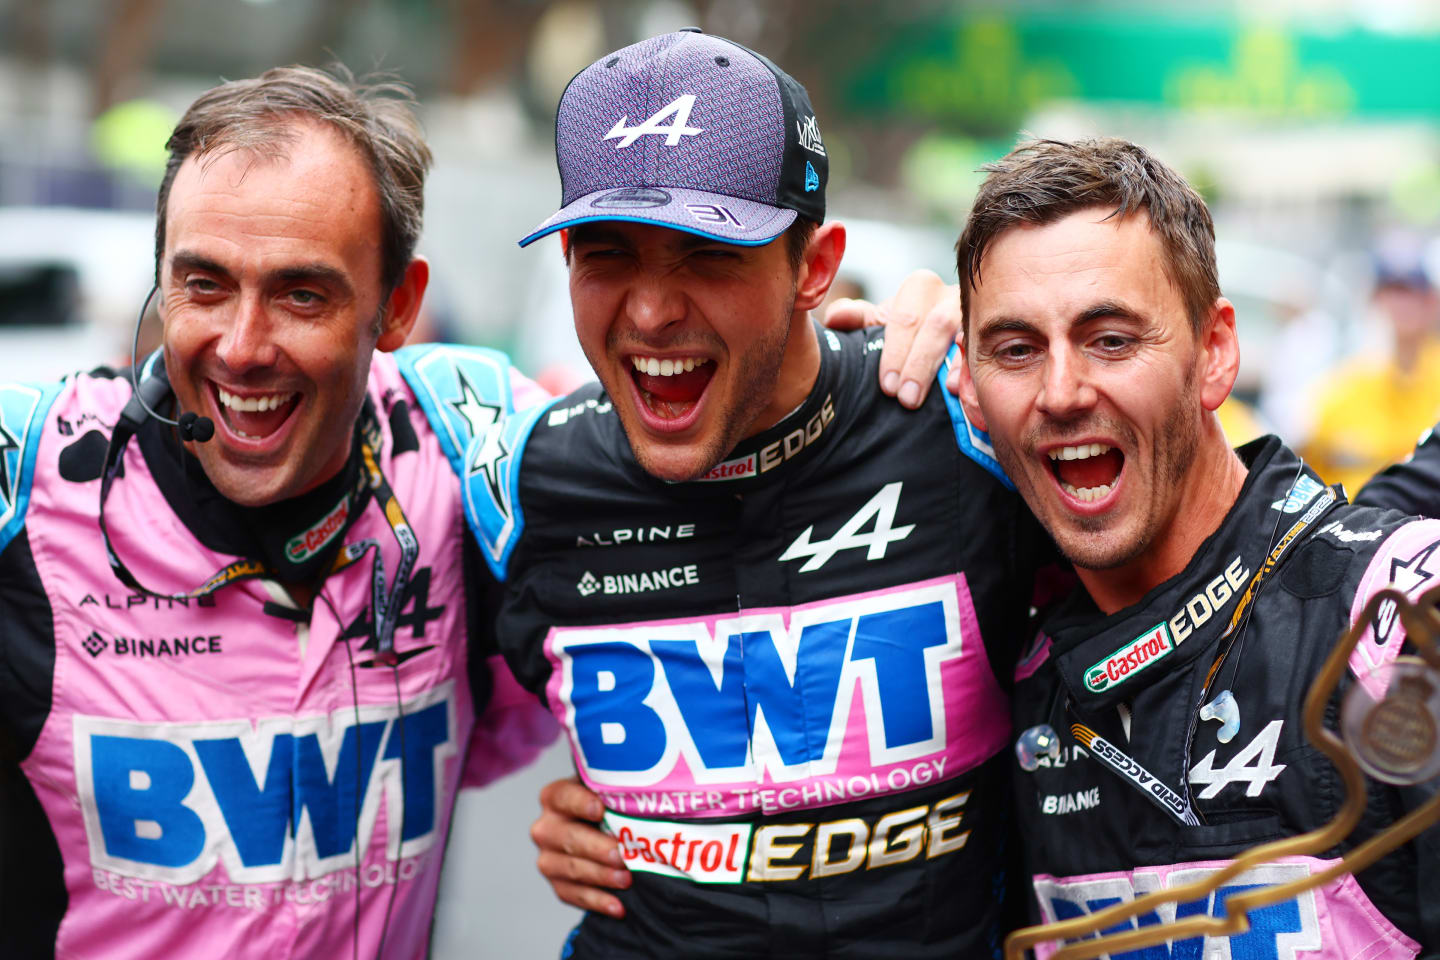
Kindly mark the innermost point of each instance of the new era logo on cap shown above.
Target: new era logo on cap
(691, 132)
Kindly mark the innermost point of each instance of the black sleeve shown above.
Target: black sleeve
(1411, 486)
(1427, 874)
(27, 647)
(482, 596)
(32, 889)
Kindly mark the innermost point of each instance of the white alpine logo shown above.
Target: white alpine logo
(809, 135)
(881, 507)
(679, 127)
(1254, 766)
(486, 447)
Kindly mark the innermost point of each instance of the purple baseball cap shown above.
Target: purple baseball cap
(691, 132)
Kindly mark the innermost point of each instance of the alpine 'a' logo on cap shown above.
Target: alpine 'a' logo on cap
(812, 179)
(632, 198)
(679, 108)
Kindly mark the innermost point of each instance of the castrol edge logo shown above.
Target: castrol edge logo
(775, 453)
(303, 546)
(702, 852)
(1135, 656)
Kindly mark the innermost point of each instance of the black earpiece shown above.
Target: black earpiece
(191, 425)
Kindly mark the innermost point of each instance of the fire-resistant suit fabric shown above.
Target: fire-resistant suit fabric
(785, 678)
(227, 775)
(1160, 779)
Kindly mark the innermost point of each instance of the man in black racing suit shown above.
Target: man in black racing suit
(1233, 754)
(741, 593)
(1158, 716)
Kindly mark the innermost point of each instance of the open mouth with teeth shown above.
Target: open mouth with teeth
(257, 416)
(1087, 471)
(670, 388)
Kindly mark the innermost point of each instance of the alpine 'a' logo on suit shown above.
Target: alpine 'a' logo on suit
(880, 509)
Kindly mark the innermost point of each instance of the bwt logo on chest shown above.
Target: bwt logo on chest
(776, 691)
(283, 798)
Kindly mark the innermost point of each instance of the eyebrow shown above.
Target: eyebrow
(1105, 308)
(185, 260)
(1108, 308)
(319, 273)
(1004, 325)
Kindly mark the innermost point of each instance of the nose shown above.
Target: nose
(1066, 390)
(248, 343)
(654, 302)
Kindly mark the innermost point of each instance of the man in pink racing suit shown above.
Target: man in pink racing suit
(236, 711)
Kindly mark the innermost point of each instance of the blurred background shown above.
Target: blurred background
(1312, 127)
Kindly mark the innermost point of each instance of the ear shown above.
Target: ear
(1219, 355)
(969, 397)
(565, 244)
(403, 307)
(821, 264)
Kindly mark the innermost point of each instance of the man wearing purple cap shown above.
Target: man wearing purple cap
(731, 569)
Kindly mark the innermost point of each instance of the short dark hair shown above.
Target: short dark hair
(376, 114)
(797, 239)
(1043, 181)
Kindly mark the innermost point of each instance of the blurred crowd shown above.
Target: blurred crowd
(1353, 397)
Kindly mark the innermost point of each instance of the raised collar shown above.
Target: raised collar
(773, 453)
(1104, 660)
(296, 538)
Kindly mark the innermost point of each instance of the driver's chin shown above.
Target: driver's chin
(676, 463)
(248, 485)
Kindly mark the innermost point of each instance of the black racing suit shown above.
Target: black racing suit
(1136, 681)
(1412, 485)
(784, 678)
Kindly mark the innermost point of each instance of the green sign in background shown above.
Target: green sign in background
(984, 72)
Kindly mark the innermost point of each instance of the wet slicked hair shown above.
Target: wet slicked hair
(376, 115)
(1043, 181)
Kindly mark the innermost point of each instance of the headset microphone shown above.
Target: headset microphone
(191, 425)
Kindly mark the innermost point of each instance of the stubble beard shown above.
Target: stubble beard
(757, 375)
(1170, 460)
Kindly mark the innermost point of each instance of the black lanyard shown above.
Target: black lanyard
(385, 603)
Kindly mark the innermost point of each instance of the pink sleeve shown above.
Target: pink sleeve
(1409, 561)
(527, 392)
(511, 731)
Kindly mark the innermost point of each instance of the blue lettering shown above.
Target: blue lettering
(416, 736)
(897, 641)
(1258, 943)
(258, 817)
(715, 718)
(800, 733)
(121, 803)
(334, 805)
(631, 673)
(1266, 923)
